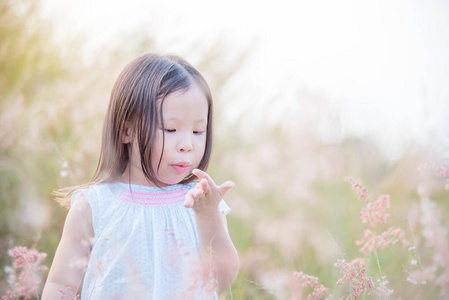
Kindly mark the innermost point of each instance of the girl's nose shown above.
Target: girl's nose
(185, 145)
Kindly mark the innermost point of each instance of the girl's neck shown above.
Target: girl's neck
(137, 179)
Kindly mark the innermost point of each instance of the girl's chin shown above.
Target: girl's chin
(171, 181)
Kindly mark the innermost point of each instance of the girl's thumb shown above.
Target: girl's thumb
(225, 187)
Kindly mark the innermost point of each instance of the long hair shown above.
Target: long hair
(142, 84)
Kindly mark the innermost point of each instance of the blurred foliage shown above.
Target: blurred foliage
(28, 59)
(291, 209)
(29, 66)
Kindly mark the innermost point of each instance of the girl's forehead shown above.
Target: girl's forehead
(193, 96)
(189, 106)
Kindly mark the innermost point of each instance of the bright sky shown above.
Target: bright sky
(382, 66)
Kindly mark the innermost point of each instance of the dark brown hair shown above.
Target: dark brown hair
(142, 84)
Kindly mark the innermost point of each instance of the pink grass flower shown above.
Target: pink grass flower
(319, 290)
(373, 243)
(354, 274)
(375, 212)
(66, 290)
(204, 284)
(27, 267)
(362, 193)
(381, 291)
(443, 172)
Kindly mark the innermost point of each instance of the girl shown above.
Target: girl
(142, 229)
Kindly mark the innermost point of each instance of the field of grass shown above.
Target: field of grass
(298, 225)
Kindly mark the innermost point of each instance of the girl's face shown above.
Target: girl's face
(185, 123)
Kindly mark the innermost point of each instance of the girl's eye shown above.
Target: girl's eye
(198, 132)
(170, 130)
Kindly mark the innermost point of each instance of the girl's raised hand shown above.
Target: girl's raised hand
(206, 195)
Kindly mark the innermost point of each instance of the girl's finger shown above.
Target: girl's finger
(203, 185)
(192, 196)
(197, 193)
(222, 189)
(203, 175)
(188, 200)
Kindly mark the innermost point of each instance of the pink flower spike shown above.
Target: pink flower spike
(384, 201)
(27, 270)
(319, 290)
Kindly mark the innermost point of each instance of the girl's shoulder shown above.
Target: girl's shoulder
(94, 191)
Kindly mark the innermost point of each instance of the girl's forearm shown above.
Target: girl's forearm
(217, 251)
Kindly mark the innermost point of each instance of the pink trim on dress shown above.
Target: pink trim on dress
(176, 197)
(154, 194)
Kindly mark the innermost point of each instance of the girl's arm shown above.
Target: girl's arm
(72, 255)
(216, 248)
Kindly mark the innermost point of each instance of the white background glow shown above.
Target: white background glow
(383, 66)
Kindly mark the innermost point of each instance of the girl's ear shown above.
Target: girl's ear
(127, 133)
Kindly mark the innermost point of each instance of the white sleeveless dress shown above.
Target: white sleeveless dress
(146, 243)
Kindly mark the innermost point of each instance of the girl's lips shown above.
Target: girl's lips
(181, 168)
